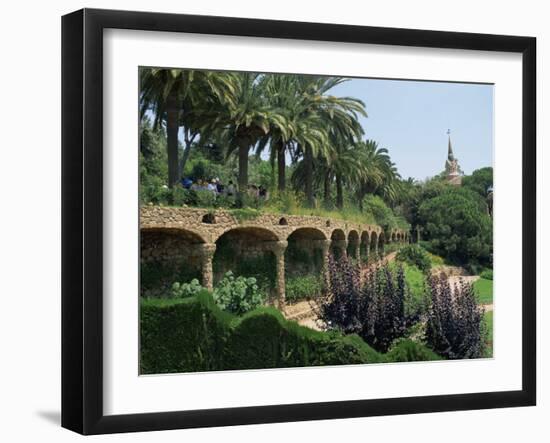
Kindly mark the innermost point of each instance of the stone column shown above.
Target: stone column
(207, 251)
(358, 252)
(279, 249)
(366, 248)
(342, 245)
(324, 246)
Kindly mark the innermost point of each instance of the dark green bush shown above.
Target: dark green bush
(415, 255)
(487, 274)
(457, 226)
(407, 350)
(264, 339)
(182, 335)
(193, 334)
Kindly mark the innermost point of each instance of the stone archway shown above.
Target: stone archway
(307, 256)
(169, 255)
(364, 247)
(353, 245)
(252, 252)
(338, 243)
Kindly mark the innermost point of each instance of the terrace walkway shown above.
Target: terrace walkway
(194, 235)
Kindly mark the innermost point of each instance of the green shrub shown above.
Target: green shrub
(302, 288)
(415, 255)
(436, 260)
(264, 339)
(238, 295)
(193, 334)
(487, 274)
(245, 214)
(182, 335)
(182, 290)
(377, 208)
(404, 350)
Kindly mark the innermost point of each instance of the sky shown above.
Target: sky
(411, 119)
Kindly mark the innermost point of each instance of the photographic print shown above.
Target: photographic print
(291, 220)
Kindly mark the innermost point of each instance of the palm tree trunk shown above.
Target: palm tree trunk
(308, 163)
(187, 150)
(243, 166)
(172, 127)
(339, 192)
(281, 166)
(327, 189)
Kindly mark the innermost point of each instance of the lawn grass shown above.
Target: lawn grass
(489, 322)
(484, 291)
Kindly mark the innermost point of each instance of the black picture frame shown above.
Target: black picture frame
(82, 218)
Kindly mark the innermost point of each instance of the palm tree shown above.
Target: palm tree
(181, 97)
(248, 118)
(348, 167)
(283, 95)
(339, 115)
(380, 176)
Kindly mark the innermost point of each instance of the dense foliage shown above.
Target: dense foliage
(457, 226)
(481, 181)
(415, 255)
(455, 327)
(193, 334)
(182, 290)
(238, 295)
(303, 287)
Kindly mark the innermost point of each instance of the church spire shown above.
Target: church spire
(451, 165)
(450, 154)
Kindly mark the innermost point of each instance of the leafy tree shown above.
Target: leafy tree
(183, 97)
(481, 181)
(457, 226)
(153, 168)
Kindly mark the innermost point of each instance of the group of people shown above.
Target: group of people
(218, 188)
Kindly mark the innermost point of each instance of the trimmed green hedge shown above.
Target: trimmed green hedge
(182, 335)
(407, 350)
(193, 334)
(265, 339)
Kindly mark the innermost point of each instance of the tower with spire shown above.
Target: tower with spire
(452, 170)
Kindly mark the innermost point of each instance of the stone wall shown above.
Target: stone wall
(193, 221)
(197, 238)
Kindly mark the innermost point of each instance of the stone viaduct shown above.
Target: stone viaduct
(193, 234)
